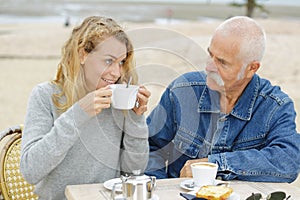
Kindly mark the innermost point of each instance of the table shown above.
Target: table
(169, 189)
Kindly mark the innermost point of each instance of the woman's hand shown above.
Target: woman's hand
(95, 101)
(142, 100)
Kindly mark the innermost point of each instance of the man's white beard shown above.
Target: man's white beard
(216, 77)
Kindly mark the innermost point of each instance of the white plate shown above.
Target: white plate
(110, 183)
(233, 196)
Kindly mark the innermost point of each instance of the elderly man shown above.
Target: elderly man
(227, 115)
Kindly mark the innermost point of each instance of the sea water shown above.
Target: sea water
(157, 11)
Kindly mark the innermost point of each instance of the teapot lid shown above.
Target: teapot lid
(138, 179)
(136, 172)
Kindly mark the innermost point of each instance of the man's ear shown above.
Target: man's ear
(82, 56)
(252, 68)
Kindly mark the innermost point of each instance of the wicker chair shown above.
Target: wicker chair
(13, 185)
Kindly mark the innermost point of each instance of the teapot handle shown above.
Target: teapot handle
(113, 191)
(153, 182)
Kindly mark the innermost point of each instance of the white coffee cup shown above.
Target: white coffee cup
(122, 97)
(204, 173)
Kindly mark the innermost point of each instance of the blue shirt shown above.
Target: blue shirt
(256, 141)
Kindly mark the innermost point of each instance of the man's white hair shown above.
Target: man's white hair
(252, 35)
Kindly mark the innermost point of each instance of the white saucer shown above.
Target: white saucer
(110, 183)
(190, 181)
(187, 182)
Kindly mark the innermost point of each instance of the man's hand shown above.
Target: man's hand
(186, 170)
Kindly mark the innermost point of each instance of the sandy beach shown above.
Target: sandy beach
(30, 53)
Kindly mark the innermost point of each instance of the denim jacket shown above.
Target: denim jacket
(256, 141)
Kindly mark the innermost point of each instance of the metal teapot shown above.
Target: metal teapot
(136, 187)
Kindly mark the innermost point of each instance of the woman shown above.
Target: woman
(72, 135)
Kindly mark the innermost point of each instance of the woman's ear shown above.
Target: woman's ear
(82, 56)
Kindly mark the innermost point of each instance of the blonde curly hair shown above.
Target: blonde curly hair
(70, 74)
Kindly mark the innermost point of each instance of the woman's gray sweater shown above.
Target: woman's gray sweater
(74, 148)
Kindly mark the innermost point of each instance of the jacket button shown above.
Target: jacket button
(223, 119)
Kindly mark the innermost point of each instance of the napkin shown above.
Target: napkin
(190, 197)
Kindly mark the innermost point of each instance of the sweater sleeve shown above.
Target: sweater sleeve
(46, 140)
(136, 148)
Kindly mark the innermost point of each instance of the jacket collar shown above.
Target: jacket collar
(209, 101)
